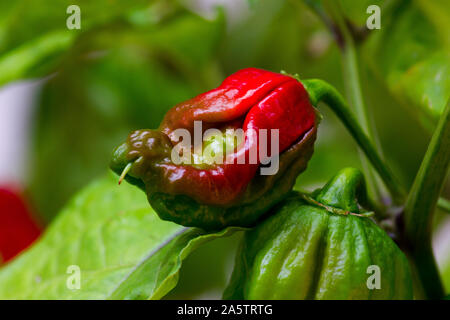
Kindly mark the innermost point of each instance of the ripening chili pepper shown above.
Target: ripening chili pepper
(212, 195)
(17, 227)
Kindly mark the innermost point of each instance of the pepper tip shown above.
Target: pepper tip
(124, 172)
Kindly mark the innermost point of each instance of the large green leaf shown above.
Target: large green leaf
(120, 245)
(155, 276)
(411, 54)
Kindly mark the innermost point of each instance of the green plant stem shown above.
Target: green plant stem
(354, 92)
(421, 204)
(444, 205)
(320, 90)
(331, 14)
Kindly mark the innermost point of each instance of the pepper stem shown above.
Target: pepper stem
(125, 172)
(320, 90)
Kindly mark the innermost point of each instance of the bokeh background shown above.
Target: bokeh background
(67, 98)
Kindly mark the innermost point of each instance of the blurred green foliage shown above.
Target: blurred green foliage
(34, 36)
(411, 53)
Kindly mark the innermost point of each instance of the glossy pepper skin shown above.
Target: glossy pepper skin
(219, 195)
(304, 251)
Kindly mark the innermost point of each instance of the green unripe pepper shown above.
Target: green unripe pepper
(321, 247)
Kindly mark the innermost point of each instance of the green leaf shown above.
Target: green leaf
(158, 274)
(427, 83)
(24, 59)
(438, 13)
(445, 271)
(252, 3)
(410, 53)
(34, 35)
(122, 248)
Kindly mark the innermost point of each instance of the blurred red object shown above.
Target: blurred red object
(18, 229)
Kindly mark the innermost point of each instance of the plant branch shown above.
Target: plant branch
(421, 204)
(320, 90)
(346, 42)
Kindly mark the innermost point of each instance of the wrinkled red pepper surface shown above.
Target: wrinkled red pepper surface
(18, 229)
(248, 99)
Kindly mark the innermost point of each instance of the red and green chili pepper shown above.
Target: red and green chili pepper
(217, 195)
